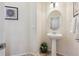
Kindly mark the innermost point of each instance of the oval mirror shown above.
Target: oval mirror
(55, 20)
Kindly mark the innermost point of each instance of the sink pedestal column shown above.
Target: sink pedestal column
(54, 37)
(53, 50)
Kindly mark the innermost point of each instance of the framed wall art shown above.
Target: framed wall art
(11, 13)
(77, 25)
(75, 9)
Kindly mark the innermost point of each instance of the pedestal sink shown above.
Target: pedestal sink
(54, 37)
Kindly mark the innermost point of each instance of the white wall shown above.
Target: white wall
(33, 41)
(1, 24)
(2, 51)
(20, 34)
(16, 31)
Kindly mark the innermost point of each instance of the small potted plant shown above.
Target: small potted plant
(44, 47)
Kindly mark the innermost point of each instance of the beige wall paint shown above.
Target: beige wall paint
(43, 12)
(62, 9)
(42, 23)
(68, 46)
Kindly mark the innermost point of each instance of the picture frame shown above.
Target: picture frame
(75, 9)
(11, 13)
(77, 24)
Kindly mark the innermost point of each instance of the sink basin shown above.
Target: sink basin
(54, 35)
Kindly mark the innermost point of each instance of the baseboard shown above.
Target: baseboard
(58, 54)
(34, 53)
(19, 54)
(28, 53)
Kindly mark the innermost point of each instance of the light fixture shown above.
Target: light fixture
(54, 4)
